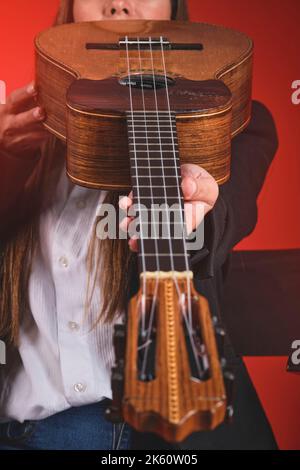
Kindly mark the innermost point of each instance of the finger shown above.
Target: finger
(204, 188)
(21, 96)
(125, 202)
(124, 224)
(133, 244)
(23, 120)
(207, 190)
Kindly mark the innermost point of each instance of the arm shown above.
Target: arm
(234, 214)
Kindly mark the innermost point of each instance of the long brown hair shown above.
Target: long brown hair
(20, 245)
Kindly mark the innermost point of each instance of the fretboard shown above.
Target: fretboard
(156, 183)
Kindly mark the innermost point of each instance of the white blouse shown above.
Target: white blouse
(61, 361)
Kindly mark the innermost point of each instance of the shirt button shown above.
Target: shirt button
(73, 326)
(79, 387)
(80, 204)
(63, 261)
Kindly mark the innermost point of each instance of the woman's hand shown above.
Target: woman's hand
(21, 129)
(200, 191)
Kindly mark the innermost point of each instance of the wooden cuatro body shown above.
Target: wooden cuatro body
(211, 94)
(83, 81)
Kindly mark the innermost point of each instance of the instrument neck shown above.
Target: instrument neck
(157, 194)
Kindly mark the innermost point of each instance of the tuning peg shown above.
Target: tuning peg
(120, 332)
(229, 386)
(119, 329)
(114, 412)
(119, 341)
(220, 338)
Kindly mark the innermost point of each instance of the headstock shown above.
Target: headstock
(171, 382)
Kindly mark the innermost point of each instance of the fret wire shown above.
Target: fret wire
(158, 120)
(153, 158)
(148, 111)
(152, 138)
(153, 132)
(142, 58)
(152, 112)
(160, 202)
(158, 125)
(151, 180)
(165, 238)
(146, 121)
(163, 224)
(175, 160)
(151, 186)
(162, 114)
(157, 209)
(146, 142)
(147, 127)
(138, 179)
(154, 143)
(153, 118)
(154, 151)
(162, 197)
(157, 159)
(164, 254)
(154, 167)
(160, 145)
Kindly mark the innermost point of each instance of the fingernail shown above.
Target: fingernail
(31, 89)
(38, 113)
(122, 204)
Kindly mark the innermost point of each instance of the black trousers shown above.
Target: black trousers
(249, 429)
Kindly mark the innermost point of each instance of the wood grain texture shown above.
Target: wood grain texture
(61, 58)
(98, 154)
(173, 403)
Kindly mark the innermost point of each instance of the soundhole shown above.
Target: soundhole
(147, 81)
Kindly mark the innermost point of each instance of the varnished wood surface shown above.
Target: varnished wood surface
(173, 404)
(61, 58)
(98, 141)
(224, 48)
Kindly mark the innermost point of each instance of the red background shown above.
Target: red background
(274, 26)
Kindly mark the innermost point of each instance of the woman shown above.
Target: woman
(56, 384)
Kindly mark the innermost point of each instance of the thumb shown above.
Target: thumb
(204, 188)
